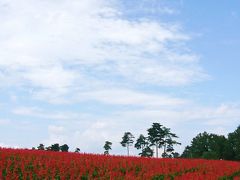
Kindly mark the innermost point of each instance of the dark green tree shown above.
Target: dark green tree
(208, 146)
(218, 146)
(41, 147)
(64, 148)
(107, 147)
(169, 142)
(77, 150)
(156, 136)
(160, 136)
(175, 155)
(187, 153)
(146, 152)
(55, 147)
(234, 145)
(143, 144)
(127, 140)
(200, 144)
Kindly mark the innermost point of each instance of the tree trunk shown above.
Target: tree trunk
(127, 149)
(156, 150)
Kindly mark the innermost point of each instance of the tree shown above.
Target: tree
(228, 152)
(143, 144)
(48, 148)
(156, 136)
(200, 144)
(234, 144)
(146, 152)
(176, 155)
(160, 136)
(168, 142)
(77, 150)
(187, 153)
(55, 147)
(208, 146)
(64, 148)
(107, 147)
(218, 146)
(41, 147)
(127, 140)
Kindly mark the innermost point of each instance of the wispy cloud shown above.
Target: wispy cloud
(8, 145)
(56, 47)
(45, 114)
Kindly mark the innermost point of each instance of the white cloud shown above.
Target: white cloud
(27, 111)
(56, 135)
(55, 47)
(46, 114)
(50, 78)
(222, 115)
(8, 145)
(129, 97)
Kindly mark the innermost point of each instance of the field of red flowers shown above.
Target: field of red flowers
(38, 165)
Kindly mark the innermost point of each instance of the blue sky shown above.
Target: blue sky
(83, 72)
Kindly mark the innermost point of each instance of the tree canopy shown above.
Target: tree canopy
(127, 140)
(64, 148)
(107, 147)
(160, 136)
(208, 146)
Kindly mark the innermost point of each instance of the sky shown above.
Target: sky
(83, 72)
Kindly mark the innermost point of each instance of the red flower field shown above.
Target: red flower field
(38, 165)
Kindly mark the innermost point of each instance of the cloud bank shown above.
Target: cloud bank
(59, 48)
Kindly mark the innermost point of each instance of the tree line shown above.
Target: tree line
(204, 145)
(158, 136)
(212, 146)
(55, 147)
